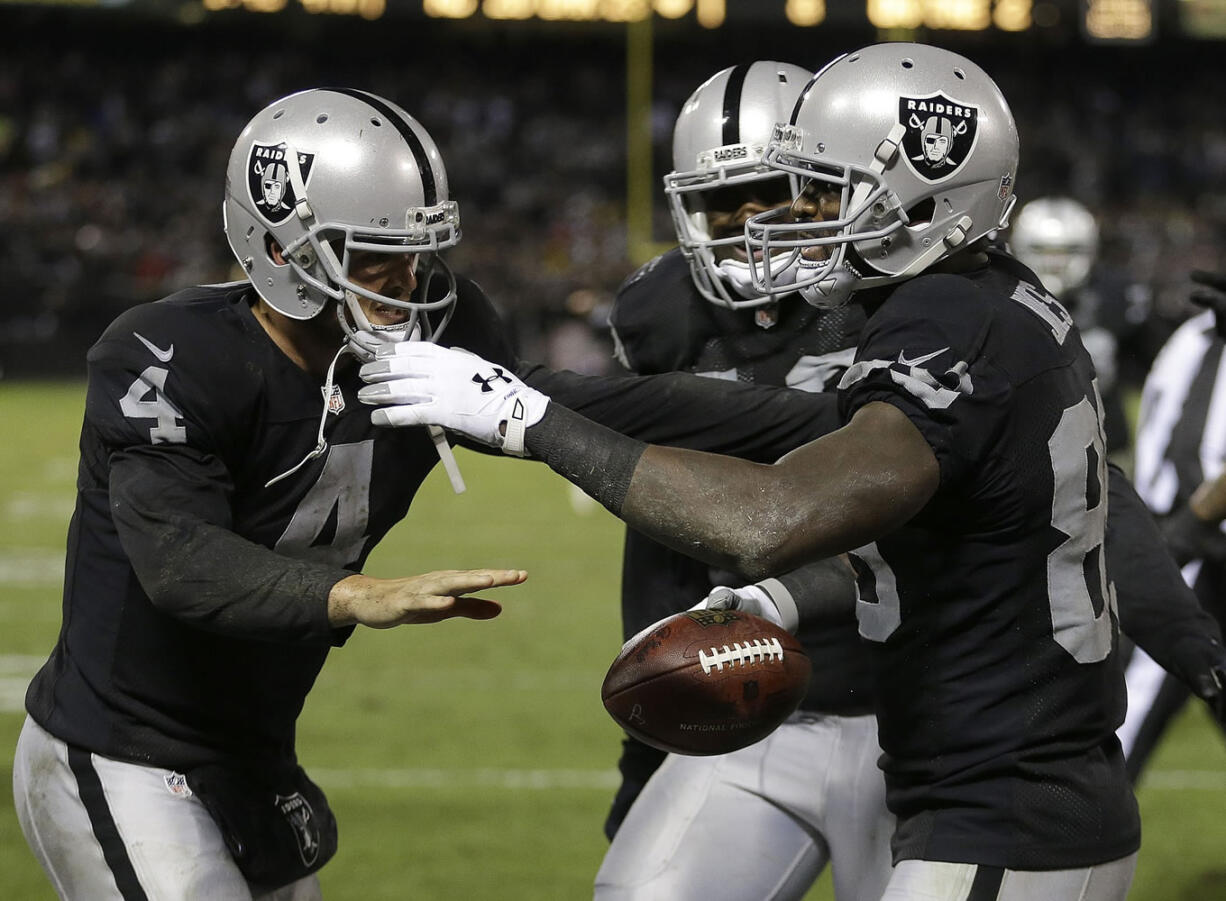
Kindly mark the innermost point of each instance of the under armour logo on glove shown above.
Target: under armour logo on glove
(419, 383)
(486, 381)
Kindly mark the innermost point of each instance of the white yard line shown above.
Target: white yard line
(31, 567)
(486, 777)
(16, 671)
(550, 779)
(38, 505)
(1184, 780)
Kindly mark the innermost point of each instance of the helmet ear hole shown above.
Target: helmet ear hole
(921, 213)
(273, 250)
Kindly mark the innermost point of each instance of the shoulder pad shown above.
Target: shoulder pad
(659, 320)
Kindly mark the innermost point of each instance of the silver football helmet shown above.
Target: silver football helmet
(328, 172)
(1056, 237)
(718, 142)
(912, 152)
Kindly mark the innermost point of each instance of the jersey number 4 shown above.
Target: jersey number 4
(146, 399)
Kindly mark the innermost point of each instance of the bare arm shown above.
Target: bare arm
(829, 496)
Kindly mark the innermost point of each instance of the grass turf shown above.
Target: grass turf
(472, 759)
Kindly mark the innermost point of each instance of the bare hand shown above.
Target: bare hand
(428, 598)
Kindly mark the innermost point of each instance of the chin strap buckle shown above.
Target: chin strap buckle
(888, 148)
(956, 235)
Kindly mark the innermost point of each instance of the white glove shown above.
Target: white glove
(419, 383)
(750, 599)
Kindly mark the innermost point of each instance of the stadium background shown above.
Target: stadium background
(473, 760)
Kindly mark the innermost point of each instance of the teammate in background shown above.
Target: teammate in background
(969, 481)
(1057, 238)
(225, 507)
(1180, 472)
(810, 794)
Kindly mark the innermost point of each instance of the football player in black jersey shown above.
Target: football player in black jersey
(812, 794)
(226, 506)
(968, 484)
(224, 509)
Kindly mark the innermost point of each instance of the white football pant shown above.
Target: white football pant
(104, 829)
(926, 880)
(759, 823)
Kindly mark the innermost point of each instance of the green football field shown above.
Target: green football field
(472, 760)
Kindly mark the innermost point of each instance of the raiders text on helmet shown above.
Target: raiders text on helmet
(327, 172)
(718, 141)
(921, 149)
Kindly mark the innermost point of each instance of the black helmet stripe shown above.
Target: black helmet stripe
(732, 104)
(406, 132)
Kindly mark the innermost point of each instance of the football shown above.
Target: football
(706, 682)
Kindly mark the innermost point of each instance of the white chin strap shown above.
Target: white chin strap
(735, 275)
(738, 276)
(364, 340)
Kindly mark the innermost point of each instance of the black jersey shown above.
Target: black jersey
(1000, 688)
(662, 324)
(191, 410)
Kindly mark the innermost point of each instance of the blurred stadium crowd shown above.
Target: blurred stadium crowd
(113, 145)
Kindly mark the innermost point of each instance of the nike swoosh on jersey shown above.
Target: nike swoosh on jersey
(919, 361)
(163, 355)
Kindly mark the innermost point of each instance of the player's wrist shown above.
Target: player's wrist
(775, 593)
(344, 600)
(598, 460)
(525, 408)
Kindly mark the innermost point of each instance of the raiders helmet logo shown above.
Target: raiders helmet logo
(301, 819)
(268, 180)
(940, 134)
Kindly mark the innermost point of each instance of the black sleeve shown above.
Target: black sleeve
(476, 326)
(819, 592)
(755, 422)
(170, 505)
(1158, 610)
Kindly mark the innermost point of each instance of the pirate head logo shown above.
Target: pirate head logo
(301, 819)
(269, 183)
(940, 134)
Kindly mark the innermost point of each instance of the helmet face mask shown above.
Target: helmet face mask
(326, 174)
(718, 142)
(920, 147)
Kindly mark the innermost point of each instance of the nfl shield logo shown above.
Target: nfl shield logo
(268, 180)
(336, 400)
(940, 134)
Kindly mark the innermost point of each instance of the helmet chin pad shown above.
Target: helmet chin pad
(737, 276)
